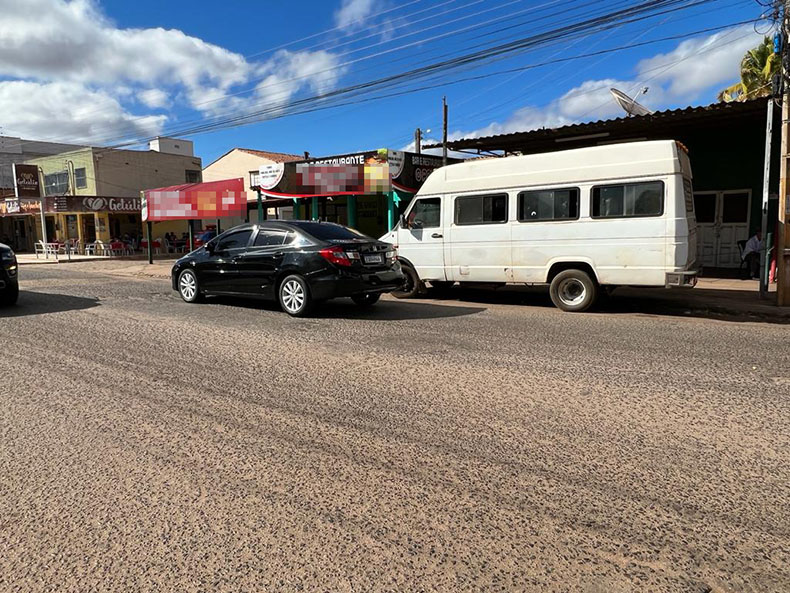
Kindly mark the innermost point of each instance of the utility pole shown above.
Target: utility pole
(444, 128)
(782, 260)
(418, 141)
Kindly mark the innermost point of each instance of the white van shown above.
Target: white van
(578, 220)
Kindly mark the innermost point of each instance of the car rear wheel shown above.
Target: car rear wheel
(295, 296)
(10, 295)
(188, 286)
(411, 287)
(573, 291)
(366, 300)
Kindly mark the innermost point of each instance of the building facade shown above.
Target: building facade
(94, 193)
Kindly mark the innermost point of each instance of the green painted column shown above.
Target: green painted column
(260, 206)
(314, 208)
(297, 213)
(351, 210)
(391, 216)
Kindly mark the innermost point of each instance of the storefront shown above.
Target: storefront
(80, 218)
(365, 190)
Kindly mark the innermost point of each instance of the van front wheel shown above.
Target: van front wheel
(412, 285)
(573, 291)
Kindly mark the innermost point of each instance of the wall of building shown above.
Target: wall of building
(125, 173)
(19, 150)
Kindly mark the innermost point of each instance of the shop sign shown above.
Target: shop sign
(12, 206)
(26, 181)
(93, 204)
(364, 173)
(270, 175)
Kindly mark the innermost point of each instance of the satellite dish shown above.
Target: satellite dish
(629, 105)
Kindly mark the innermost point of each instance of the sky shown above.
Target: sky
(116, 72)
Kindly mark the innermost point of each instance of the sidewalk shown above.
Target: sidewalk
(717, 297)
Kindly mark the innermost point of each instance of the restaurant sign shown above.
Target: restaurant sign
(26, 181)
(372, 172)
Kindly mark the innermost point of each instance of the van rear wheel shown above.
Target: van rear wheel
(573, 291)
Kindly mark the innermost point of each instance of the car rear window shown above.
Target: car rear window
(330, 232)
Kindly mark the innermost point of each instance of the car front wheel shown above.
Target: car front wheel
(188, 286)
(295, 296)
(10, 295)
(366, 300)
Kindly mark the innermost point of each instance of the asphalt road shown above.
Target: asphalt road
(476, 445)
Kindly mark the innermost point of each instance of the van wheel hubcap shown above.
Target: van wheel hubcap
(572, 291)
(293, 295)
(188, 286)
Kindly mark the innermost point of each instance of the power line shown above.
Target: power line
(618, 18)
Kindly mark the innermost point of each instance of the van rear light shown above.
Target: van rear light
(335, 255)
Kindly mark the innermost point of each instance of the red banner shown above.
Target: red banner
(213, 199)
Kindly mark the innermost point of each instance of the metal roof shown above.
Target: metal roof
(659, 125)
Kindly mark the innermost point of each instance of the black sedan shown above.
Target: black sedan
(9, 276)
(298, 263)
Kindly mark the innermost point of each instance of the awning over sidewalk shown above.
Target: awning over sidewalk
(192, 201)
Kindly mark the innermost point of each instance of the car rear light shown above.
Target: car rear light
(336, 255)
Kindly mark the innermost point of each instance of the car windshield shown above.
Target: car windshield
(331, 232)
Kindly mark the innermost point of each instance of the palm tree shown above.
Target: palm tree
(758, 68)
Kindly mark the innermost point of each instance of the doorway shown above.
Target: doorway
(722, 221)
(88, 228)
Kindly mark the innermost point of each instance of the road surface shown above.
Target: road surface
(475, 445)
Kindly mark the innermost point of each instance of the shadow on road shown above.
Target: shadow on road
(40, 303)
(726, 305)
(384, 310)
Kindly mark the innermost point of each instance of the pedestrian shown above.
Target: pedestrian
(751, 254)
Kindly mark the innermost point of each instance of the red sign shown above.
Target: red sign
(213, 199)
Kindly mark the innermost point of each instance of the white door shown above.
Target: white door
(422, 241)
(722, 221)
(479, 239)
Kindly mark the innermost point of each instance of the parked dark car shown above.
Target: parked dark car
(9, 276)
(297, 263)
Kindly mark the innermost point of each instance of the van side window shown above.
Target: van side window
(548, 204)
(628, 200)
(425, 214)
(490, 209)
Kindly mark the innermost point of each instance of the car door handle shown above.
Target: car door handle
(437, 236)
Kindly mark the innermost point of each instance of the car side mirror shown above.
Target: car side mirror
(210, 247)
(403, 223)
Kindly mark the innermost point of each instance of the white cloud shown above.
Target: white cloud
(73, 43)
(154, 98)
(697, 64)
(69, 112)
(352, 12)
(695, 70)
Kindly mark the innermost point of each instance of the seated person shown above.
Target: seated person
(751, 254)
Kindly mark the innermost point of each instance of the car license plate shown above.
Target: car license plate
(373, 259)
